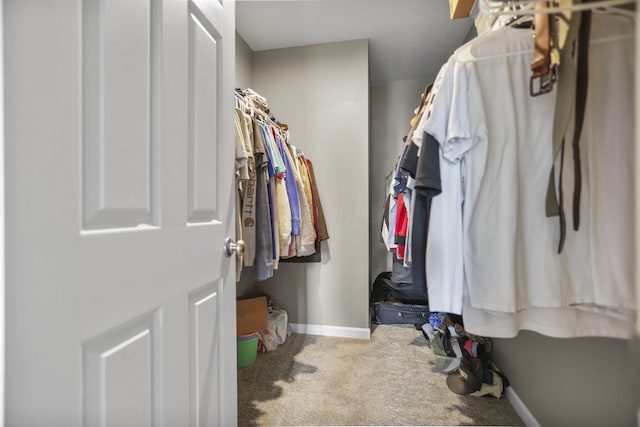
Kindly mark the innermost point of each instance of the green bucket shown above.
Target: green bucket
(247, 351)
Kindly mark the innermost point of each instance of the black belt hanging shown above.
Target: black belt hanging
(582, 83)
(564, 41)
(563, 221)
(582, 80)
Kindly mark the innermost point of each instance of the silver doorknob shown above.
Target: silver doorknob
(230, 247)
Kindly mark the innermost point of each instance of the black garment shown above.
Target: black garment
(409, 159)
(400, 273)
(419, 230)
(428, 172)
(427, 186)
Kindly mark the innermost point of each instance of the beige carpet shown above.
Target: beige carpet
(388, 380)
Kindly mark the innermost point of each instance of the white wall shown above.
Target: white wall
(322, 93)
(244, 63)
(572, 382)
(392, 107)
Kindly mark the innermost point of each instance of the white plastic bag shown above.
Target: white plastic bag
(276, 330)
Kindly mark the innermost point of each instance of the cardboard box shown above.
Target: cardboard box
(251, 315)
(460, 8)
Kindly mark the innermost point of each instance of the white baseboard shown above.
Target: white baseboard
(331, 331)
(522, 410)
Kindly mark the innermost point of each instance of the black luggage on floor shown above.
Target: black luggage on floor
(398, 303)
(394, 313)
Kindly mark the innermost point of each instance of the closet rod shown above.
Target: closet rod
(496, 8)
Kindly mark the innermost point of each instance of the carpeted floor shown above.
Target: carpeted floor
(388, 380)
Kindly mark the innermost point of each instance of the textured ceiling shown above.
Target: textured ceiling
(408, 39)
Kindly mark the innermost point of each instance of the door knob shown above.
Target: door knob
(230, 247)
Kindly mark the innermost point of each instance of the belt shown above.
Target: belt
(572, 86)
(582, 80)
(582, 83)
(565, 96)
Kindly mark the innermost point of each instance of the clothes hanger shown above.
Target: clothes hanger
(497, 7)
(523, 22)
(511, 16)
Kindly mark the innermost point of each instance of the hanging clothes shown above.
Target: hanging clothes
(264, 228)
(241, 175)
(292, 193)
(401, 226)
(322, 232)
(307, 237)
(279, 211)
(491, 248)
(427, 186)
(244, 129)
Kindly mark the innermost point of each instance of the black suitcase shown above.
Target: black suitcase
(395, 313)
(385, 288)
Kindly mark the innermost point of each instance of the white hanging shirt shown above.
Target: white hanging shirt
(444, 242)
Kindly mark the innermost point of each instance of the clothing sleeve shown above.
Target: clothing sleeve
(409, 160)
(323, 233)
(454, 110)
(242, 157)
(444, 252)
(459, 132)
(428, 183)
(436, 112)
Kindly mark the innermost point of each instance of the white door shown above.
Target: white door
(120, 306)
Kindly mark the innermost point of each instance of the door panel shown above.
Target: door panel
(204, 119)
(118, 47)
(203, 316)
(119, 375)
(119, 153)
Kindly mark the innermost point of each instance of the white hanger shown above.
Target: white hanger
(498, 7)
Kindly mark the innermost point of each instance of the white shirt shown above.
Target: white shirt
(444, 261)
